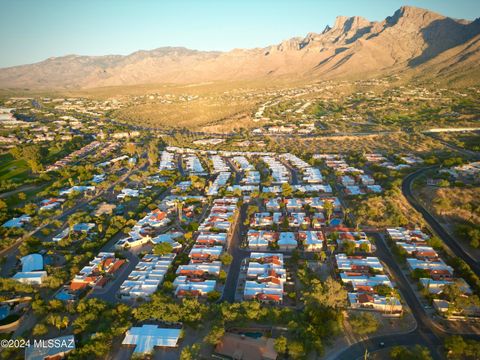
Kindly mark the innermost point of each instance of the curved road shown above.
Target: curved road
(433, 222)
(427, 332)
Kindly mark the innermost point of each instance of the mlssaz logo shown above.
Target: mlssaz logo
(54, 343)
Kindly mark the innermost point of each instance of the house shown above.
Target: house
(366, 180)
(192, 271)
(32, 262)
(49, 204)
(241, 347)
(50, 349)
(220, 181)
(431, 266)
(376, 189)
(294, 204)
(127, 192)
(147, 337)
(94, 273)
(166, 161)
(205, 254)
(297, 219)
(147, 276)
(318, 220)
(353, 190)
(97, 179)
(360, 239)
(376, 302)
(273, 204)
(270, 291)
(287, 241)
(260, 239)
(62, 235)
(83, 227)
(77, 188)
(184, 287)
(359, 278)
(406, 235)
(30, 277)
(168, 237)
(347, 180)
(312, 240)
(32, 270)
(17, 222)
(263, 219)
(356, 263)
(211, 239)
(265, 278)
(436, 286)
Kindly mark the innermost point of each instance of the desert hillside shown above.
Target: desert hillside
(413, 41)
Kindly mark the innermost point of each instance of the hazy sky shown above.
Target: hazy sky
(33, 30)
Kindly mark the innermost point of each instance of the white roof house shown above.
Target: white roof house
(32, 270)
(184, 286)
(17, 222)
(147, 337)
(313, 240)
(31, 277)
(32, 262)
(287, 241)
(147, 276)
(346, 263)
(439, 264)
(436, 286)
(362, 279)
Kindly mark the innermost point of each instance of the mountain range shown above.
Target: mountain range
(414, 42)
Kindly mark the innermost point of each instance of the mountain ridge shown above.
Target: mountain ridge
(409, 41)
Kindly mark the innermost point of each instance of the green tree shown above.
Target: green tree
(190, 352)
(40, 329)
(213, 296)
(330, 294)
(32, 154)
(162, 248)
(349, 247)
(296, 350)
(287, 190)
(215, 334)
(281, 344)
(328, 208)
(226, 259)
(404, 353)
(152, 152)
(363, 323)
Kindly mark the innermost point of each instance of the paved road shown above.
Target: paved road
(433, 222)
(427, 333)
(238, 256)
(180, 165)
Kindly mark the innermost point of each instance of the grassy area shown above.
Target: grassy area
(11, 169)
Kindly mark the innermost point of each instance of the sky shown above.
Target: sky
(34, 30)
